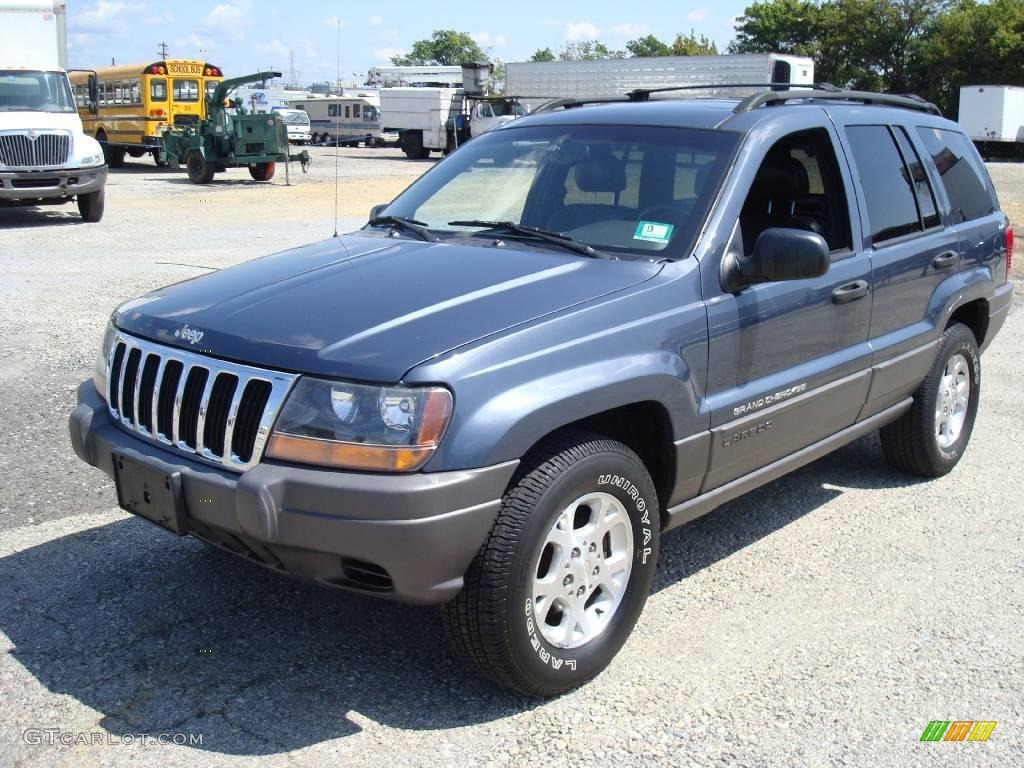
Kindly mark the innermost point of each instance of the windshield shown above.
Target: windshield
(503, 108)
(630, 190)
(294, 116)
(39, 91)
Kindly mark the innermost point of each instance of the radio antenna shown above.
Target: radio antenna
(336, 134)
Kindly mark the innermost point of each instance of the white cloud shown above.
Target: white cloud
(698, 14)
(154, 19)
(631, 31)
(229, 16)
(99, 15)
(375, 21)
(274, 48)
(385, 54)
(485, 39)
(581, 30)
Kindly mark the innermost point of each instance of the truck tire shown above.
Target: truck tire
(262, 171)
(557, 587)
(199, 170)
(412, 145)
(930, 438)
(91, 206)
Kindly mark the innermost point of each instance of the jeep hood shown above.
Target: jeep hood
(369, 307)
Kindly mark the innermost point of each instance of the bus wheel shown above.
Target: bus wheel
(199, 171)
(114, 156)
(262, 171)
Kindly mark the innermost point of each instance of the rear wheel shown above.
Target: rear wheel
(557, 587)
(91, 206)
(113, 156)
(199, 170)
(262, 171)
(930, 438)
(412, 146)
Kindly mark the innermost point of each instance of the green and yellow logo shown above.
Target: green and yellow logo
(958, 730)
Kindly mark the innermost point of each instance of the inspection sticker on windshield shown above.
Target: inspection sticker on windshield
(653, 231)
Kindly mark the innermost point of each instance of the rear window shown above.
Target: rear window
(886, 181)
(965, 180)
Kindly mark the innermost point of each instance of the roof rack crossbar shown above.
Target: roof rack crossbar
(573, 101)
(643, 94)
(908, 101)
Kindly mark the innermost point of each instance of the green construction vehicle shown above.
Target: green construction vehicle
(225, 140)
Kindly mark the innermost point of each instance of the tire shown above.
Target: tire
(412, 146)
(500, 623)
(112, 156)
(199, 171)
(262, 171)
(91, 206)
(930, 438)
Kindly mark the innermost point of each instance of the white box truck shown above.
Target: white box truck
(536, 81)
(45, 157)
(993, 116)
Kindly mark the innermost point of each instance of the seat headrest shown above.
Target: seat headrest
(601, 172)
(783, 178)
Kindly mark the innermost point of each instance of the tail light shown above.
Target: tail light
(1009, 251)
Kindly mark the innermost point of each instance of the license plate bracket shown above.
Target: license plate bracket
(149, 493)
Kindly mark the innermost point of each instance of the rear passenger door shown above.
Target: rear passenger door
(911, 249)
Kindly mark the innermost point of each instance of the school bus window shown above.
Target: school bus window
(158, 90)
(186, 90)
(118, 92)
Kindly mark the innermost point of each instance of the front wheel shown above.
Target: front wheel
(564, 574)
(262, 171)
(199, 170)
(91, 206)
(930, 439)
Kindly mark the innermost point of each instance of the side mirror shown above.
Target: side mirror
(779, 254)
(94, 94)
(375, 211)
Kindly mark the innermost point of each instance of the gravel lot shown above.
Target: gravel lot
(823, 620)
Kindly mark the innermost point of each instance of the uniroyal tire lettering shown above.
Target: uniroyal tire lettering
(641, 506)
(544, 655)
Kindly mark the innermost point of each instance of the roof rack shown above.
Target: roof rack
(573, 101)
(907, 101)
(643, 94)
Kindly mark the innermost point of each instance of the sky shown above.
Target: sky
(243, 36)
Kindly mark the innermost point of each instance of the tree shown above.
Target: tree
(648, 46)
(543, 54)
(588, 50)
(445, 47)
(691, 45)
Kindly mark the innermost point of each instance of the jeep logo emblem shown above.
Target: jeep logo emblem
(191, 335)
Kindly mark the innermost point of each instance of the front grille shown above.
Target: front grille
(217, 411)
(46, 150)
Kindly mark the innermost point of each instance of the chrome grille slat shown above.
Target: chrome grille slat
(49, 149)
(279, 385)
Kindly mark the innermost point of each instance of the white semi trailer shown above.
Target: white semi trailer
(45, 157)
(536, 81)
(993, 116)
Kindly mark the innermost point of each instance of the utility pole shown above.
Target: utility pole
(293, 74)
(163, 50)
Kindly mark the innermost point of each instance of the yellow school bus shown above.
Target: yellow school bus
(137, 100)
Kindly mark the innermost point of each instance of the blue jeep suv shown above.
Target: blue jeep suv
(575, 333)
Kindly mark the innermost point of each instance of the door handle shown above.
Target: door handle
(858, 289)
(946, 260)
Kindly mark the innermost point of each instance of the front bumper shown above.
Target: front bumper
(47, 185)
(406, 537)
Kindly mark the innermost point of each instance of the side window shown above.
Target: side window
(355, 110)
(886, 181)
(158, 90)
(919, 179)
(348, 111)
(800, 186)
(963, 177)
(332, 110)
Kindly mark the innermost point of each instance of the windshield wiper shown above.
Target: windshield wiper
(557, 238)
(418, 228)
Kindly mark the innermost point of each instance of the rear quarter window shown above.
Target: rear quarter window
(967, 183)
(886, 181)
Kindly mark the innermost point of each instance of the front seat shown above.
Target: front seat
(601, 172)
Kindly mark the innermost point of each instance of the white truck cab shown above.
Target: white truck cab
(45, 157)
(296, 121)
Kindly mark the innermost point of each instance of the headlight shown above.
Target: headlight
(355, 426)
(99, 372)
(92, 160)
